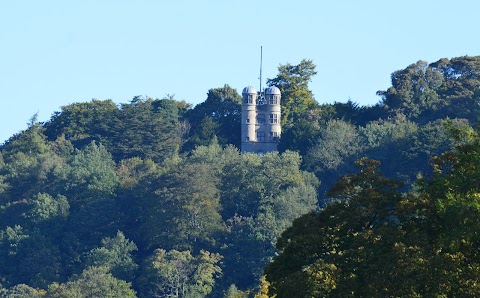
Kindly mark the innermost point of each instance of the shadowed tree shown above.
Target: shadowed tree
(223, 109)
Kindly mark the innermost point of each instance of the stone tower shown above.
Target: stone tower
(261, 115)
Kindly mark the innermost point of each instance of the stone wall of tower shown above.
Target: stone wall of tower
(261, 117)
(249, 113)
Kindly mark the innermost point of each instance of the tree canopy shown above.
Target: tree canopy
(152, 198)
(292, 80)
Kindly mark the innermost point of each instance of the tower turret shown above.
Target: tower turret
(249, 99)
(272, 101)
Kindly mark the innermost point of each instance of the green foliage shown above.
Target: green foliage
(29, 164)
(45, 208)
(90, 175)
(204, 134)
(179, 274)
(300, 136)
(446, 88)
(89, 182)
(337, 142)
(21, 291)
(183, 210)
(414, 90)
(219, 115)
(2, 166)
(27, 258)
(83, 123)
(10, 239)
(32, 141)
(374, 241)
(145, 127)
(260, 196)
(131, 171)
(68, 186)
(37, 263)
(148, 128)
(94, 282)
(292, 80)
(391, 142)
(115, 254)
(354, 113)
(234, 292)
(252, 183)
(327, 253)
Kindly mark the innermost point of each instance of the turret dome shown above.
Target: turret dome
(272, 90)
(249, 90)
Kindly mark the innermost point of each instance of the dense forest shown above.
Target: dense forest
(153, 198)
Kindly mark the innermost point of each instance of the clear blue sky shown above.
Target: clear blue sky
(54, 53)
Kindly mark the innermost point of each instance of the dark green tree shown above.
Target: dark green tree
(446, 88)
(182, 208)
(260, 196)
(337, 146)
(299, 137)
(204, 134)
(82, 123)
(374, 241)
(337, 141)
(413, 90)
(28, 163)
(147, 128)
(89, 182)
(222, 108)
(331, 253)
(391, 141)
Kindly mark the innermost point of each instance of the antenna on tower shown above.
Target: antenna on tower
(261, 56)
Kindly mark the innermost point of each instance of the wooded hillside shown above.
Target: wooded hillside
(152, 198)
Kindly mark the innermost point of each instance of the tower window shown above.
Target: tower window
(273, 100)
(248, 99)
(248, 139)
(273, 118)
(248, 120)
(260, 136)
(261, 118)
(274, 135)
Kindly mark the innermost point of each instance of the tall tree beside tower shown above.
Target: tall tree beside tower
(292, 80)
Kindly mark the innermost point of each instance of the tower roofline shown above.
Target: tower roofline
(249, 90)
